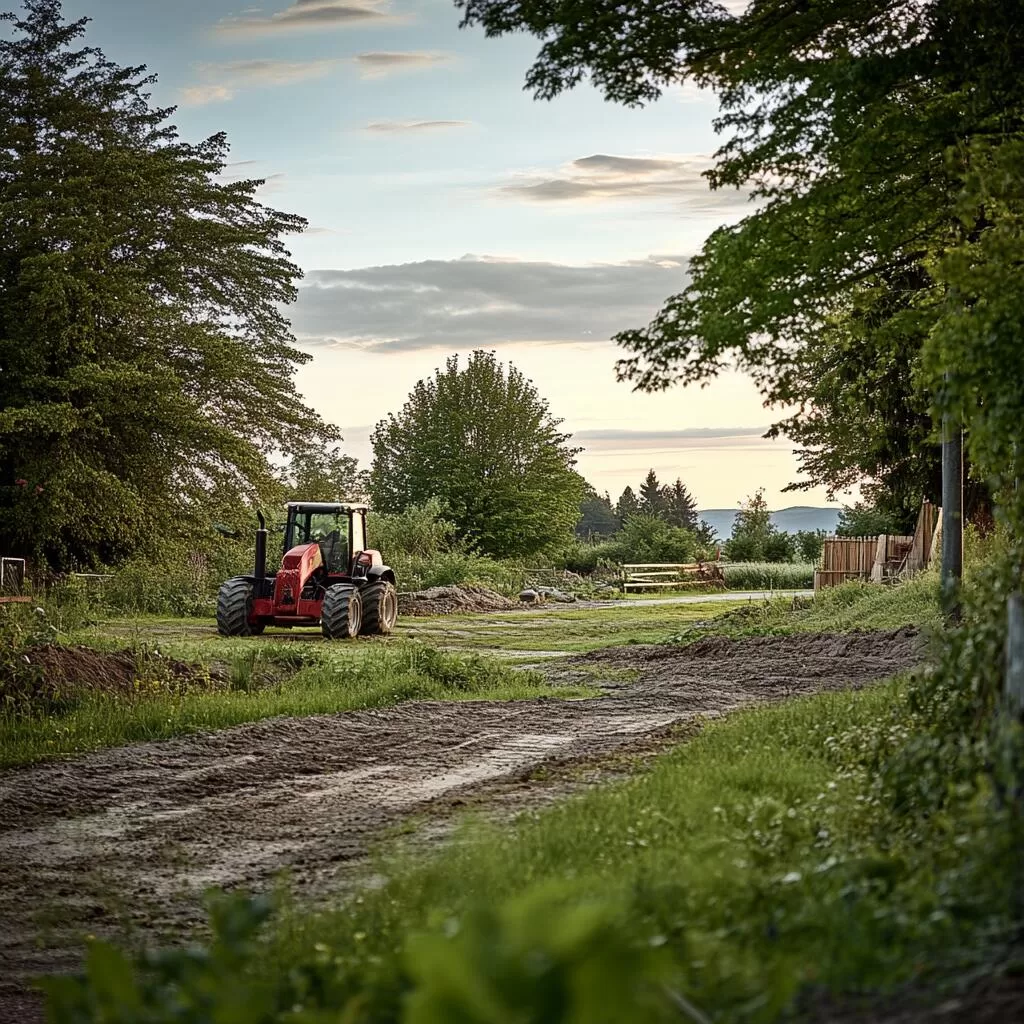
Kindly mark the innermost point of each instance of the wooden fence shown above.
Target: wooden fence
(641, 576)
(881, 558)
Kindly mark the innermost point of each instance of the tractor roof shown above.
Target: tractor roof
(327, 506)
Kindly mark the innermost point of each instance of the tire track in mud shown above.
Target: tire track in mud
(136, 833)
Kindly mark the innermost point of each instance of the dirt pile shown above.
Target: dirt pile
(53, 676)
(453, 600)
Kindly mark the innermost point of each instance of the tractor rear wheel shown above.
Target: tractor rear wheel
(380, 608)
(341, 614)
(234, 606)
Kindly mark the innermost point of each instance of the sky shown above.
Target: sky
(449, 210)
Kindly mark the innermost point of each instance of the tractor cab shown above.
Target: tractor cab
(338, 529)
(328, 577)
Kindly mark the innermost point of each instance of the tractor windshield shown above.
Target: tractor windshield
(328, 529)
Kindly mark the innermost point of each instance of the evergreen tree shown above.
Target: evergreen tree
(652, 497)
(147, 367)
(597, 517)
(681, 507)
(484, 442)
(627, 505)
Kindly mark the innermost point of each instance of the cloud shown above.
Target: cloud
(414, 126)
(601, 163)
(380, 63)
(307, 15)
(479, 302)
(603, 177)
(200, 95)
(224, 80)
(686, 434)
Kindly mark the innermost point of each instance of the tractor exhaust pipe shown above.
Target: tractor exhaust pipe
(260, 570)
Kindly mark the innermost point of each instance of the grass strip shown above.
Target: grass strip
(338, 678)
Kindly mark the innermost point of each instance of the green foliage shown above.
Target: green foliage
(597, 517)
(627, 505)
(148, 366)
(680, 506)
(864, 520)
(483, 442)
(419, 530)
(973, 356)
(540, 958)
(189, 986)
(754, 538)
(652, 497)
(325, 474)
(809, 545)
(650, 539)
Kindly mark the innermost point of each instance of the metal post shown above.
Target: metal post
(1014, 690)
(952, 514)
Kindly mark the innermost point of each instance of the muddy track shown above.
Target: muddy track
(128, 839)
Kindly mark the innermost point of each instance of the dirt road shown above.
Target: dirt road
(128, 838)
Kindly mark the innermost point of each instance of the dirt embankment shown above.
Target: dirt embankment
(130, 837)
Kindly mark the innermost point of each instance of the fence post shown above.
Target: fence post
(1014, 682)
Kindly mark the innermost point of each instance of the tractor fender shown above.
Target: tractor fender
(381, 572)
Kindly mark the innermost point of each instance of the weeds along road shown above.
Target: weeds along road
(123, 842)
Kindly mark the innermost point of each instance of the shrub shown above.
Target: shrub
(768, 575)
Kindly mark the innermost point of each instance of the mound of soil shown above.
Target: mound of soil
(449, 600)
(794, 663)
(67, 674)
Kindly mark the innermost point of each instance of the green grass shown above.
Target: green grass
(569, 630)
(834, 610)
(335, 678)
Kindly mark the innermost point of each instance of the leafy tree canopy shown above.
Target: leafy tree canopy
(754, 537)
(147, 367)
(325, 474)
(483, 441)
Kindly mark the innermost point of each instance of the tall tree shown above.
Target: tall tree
(680, 506)
(326, 474)
(597, 517)
(627, 505)
(652, 498)
(752, 530)
(483, 441)
(147, 363)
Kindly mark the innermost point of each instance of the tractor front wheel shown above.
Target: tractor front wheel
(341, 614)
(380, 608)
(234, 606)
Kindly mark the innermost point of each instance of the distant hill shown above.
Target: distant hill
(788, 520)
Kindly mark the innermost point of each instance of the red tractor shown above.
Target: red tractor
(328, 577)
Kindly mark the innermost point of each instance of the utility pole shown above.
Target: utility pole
(952, 514)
